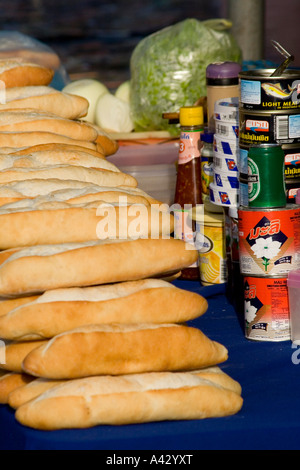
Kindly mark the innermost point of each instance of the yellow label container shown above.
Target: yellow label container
(210, 236)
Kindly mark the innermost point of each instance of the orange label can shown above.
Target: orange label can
(269, 240)
(266, 309)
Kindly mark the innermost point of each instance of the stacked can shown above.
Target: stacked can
(268, 222)
(224, 191)
(269, 113)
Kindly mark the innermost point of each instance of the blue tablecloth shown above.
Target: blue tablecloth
(270, 418)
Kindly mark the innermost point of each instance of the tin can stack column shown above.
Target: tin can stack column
(269, 113)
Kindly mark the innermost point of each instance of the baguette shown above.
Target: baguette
(11, 381)
(57, 311)
(28, 120)
(51, 147)
(87, 264)
(73, 192)
(96, 176)
(25, 139)
(54, 222)
(39, 385)
(47, 99)
(141, 398)
(117, 349)
(15, 353)
(15, 72)
(43, 159)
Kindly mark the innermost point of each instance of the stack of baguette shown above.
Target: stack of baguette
(94, 332)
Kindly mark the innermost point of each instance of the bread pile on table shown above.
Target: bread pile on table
(94, 332)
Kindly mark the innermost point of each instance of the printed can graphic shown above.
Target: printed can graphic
(269, 127)
(266, 308)
(260, 91)
(269, 240)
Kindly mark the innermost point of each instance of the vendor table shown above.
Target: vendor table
(268, 372)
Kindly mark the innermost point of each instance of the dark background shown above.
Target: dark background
(95, 38)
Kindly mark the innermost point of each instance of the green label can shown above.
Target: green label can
(266, 180)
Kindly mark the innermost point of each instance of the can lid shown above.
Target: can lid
(293, 279)
(191, 116)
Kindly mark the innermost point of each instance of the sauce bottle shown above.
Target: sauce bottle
(188, 191)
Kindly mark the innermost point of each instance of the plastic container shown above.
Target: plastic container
(293, 283)
(158, 181)
(153, 163)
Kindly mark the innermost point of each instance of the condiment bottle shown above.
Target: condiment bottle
(222, 81)
(188, 191)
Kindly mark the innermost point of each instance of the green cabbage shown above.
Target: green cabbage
(168, 69)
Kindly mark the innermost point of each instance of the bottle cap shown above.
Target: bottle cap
(207, 137)
(223, 73)
(191, 116)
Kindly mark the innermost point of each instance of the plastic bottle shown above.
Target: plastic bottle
(222, 81)
(188, 191)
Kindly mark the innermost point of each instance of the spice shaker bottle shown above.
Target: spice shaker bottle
(222, 81)
(188, 191)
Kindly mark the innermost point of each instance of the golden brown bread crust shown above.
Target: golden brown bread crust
(125, 400)
(53, 147)
(15, 352)
(40, 385)
(16, 72)
(11, 381)
(123, 349)
(96, 176)
(46, 98)
(28, 120)
(129, 302)
(90, 264)
(59, 222)
(26, 139)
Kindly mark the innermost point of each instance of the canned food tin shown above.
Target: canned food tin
(266, 308)
(266, 182)
(227, 110)
(291, 160)
(212, 250)
(260, 91)
(225, 146)
(230, 130)
(269, 127)
(269, 240)
(223, 197)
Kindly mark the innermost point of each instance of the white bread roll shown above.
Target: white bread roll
(36, 387)
(60, 310)
(15, 353)
(44, 267)
(96, 176)
(9, 382)
(17, 72)
(45, 221)
(117, 349)
(47, 99)
(28, 120)
(140, 398)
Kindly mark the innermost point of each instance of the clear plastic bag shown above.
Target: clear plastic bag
(168, 68)
(16, 44)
